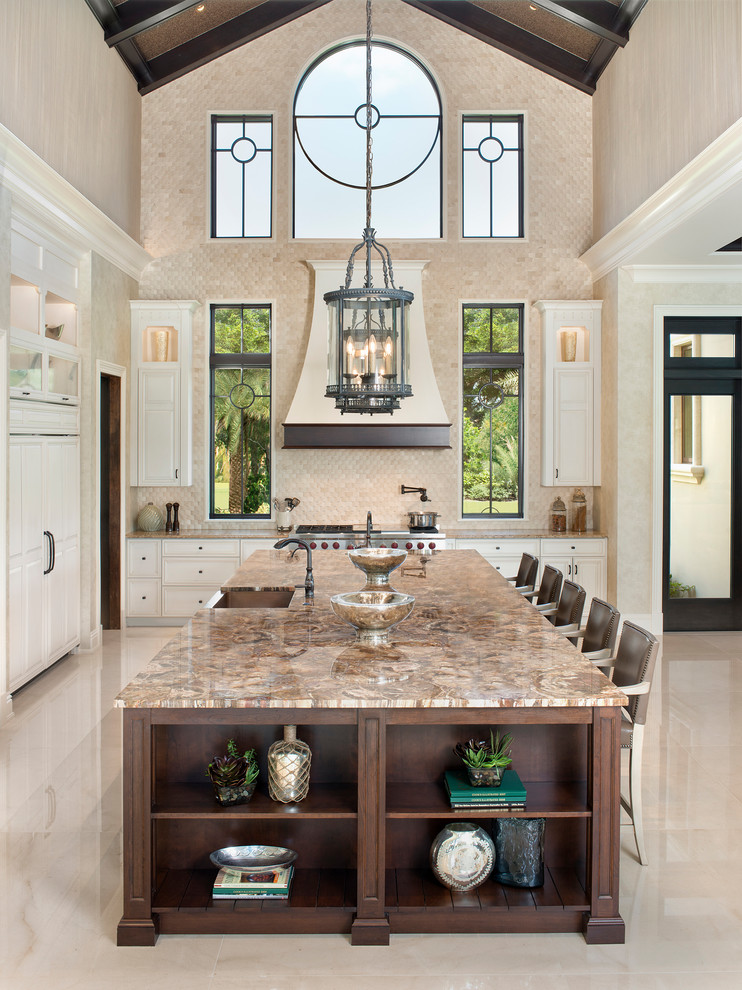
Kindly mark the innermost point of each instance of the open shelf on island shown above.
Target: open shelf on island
(546, 799)
(187, 800)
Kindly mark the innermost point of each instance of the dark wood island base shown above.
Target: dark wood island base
(363, 834)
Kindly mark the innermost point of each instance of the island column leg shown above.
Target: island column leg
(137, 926)
(371, 924)
(604, 925)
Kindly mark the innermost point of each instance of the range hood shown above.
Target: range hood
(313, 420)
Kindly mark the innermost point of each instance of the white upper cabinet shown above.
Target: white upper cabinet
(162, 389)
(570, 391)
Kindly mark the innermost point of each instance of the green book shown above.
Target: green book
(511, 791)
(269, 882)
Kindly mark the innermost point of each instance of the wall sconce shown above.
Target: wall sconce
(160, 342)
(574, 344)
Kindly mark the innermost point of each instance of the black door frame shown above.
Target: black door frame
(704, 376)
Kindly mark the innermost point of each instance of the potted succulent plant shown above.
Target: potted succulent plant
(485, 761)
(233, 776)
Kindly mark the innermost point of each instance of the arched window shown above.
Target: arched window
(330, 146)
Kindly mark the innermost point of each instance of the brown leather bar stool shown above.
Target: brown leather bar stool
(631, 670)
(547, 595)
(599, 633)
(568, 613)
(525, 579)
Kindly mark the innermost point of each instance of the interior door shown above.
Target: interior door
(703, 475)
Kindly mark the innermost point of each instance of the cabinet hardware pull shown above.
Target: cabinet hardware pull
(47, 534)
(144, 598)
(200, 572)
(176, 472)
(557, 472)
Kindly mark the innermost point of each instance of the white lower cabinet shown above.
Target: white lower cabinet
(171, 579)
(579, 560)
(44, 553)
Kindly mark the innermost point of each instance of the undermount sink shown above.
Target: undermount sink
(252, 598)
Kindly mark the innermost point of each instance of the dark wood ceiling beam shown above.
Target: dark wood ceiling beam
(510, 39)
(145, 14)
(232, 34)
(596, 16)
(105, 13)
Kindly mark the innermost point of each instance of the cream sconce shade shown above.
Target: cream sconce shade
(160, 342)
(574, 344)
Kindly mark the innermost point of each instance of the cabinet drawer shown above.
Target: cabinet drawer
(143, 558)
(199, 571)
(186, 601)
(577, 546)
(500, 548)
(143, 596)
(196, 548)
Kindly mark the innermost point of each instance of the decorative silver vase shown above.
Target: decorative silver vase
(289, 760)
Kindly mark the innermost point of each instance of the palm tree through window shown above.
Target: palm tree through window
(240, 376)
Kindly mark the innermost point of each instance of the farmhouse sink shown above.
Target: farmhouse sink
(252, 598)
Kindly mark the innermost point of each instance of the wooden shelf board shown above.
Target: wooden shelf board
(546, 799)
(197, 801)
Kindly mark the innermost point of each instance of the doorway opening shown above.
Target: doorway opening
(702, 533)
(109, 484)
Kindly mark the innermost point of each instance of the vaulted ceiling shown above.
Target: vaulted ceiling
(160, 40)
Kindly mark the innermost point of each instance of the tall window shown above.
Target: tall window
(330, 146)
(241, 176)
(492, 171)
(492, 461)
(240, 373)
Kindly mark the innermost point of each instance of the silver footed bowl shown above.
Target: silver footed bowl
(377, 563)
(373, 613)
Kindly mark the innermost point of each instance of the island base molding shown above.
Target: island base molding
(363, 833)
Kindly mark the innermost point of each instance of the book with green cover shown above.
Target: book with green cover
(268, 882)
(460, 790)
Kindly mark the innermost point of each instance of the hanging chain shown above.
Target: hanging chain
(369, 155)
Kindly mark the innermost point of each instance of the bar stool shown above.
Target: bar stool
(525, 579)
(567, 615)
(547, 595)
(598, 635)
(631, 670)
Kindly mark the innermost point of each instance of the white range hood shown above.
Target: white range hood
(313, 420)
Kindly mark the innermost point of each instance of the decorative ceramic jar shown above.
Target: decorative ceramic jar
(150, 518)
(289, 761)
(462, 856)
(558, 516)
(579, 511)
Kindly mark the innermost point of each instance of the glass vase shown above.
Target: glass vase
(289, 760)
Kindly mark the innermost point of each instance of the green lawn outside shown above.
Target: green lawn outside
(504, 507)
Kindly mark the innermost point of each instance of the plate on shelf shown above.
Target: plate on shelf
(253, 857)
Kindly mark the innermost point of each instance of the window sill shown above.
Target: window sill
(687, 474)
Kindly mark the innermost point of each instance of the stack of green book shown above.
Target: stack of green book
(509, 796)
(267, 883)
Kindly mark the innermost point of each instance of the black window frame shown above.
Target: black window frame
(242, 118)
(251, 359)
(495, 361)
(440, 137)
(507, 118)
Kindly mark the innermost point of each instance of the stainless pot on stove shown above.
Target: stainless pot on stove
(423, 520)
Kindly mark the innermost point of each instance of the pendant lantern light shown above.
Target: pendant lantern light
(369, 348)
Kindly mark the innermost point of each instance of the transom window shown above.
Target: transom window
(492, 176)
(241, 176)
(330, 146)
(240, 393)
(492, 454)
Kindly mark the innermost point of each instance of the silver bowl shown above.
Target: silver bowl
(255, 858)
(373, 613)
(377, 563)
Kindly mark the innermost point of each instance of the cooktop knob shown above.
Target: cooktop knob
(394, 546)
(409, 546)
(336, 545)
(324, 546)
(312, 546)
(432, 546)
(421, 546)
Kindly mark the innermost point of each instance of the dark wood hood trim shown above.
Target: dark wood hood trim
(340, 435)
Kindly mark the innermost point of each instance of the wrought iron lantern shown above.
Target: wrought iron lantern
(369, 346)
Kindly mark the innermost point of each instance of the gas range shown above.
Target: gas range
(347, 537)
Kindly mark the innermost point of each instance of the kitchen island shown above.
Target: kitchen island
(381, 723)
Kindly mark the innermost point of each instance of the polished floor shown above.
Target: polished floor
(60, 857)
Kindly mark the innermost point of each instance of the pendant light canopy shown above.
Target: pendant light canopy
(369, 348)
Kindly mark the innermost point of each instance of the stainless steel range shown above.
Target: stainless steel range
(347, 537)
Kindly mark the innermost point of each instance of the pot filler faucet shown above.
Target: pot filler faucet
(309, 579)
(369, 527)
(422, 491)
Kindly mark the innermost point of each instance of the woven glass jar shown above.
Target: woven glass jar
(289, 760)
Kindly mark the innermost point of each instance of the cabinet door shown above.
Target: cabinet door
(62, 520)
(159, 427)
(63, 378)
(28, 557)
(573, 426)
(590, 573)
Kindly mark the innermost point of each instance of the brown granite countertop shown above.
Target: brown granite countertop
(470, 641)
(460, 532)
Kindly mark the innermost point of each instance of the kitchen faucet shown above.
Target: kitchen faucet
(309, 579)
(369, 525)
(406, 490)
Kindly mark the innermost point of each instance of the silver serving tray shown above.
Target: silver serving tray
(253, 857)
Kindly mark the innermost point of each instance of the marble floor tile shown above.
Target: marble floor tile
(60, 857)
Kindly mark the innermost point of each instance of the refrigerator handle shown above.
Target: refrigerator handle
(54, 551)
(48, 535)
